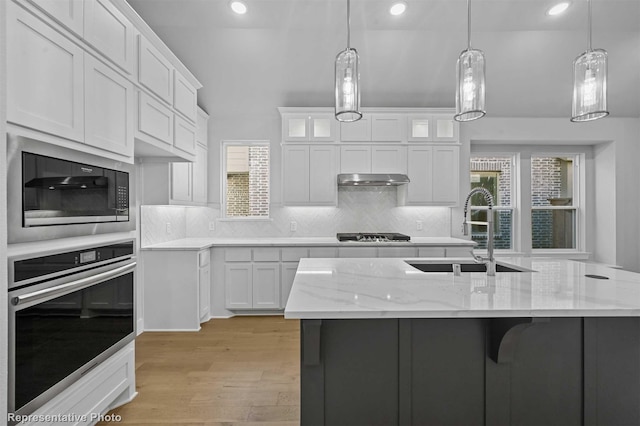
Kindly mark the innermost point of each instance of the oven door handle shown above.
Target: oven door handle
(63, 289)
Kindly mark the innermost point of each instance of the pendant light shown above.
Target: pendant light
(470, 80)
(348, 79)
(589, 82)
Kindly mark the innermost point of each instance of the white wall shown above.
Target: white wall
(615, 225)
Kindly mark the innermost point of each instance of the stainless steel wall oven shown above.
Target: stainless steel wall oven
(55, 192)
(68, 312)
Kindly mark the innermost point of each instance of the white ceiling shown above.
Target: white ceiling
(281, 53)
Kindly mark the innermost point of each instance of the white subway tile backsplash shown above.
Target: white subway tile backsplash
(359, 210)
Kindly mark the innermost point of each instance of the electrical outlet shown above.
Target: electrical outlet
(168, 228)
(418, 225)
(293, 226)
(212, 226)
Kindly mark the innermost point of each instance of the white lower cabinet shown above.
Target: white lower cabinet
(287, 275)
(176, 289)
(107, 386)
(266, 285)
(238, 282)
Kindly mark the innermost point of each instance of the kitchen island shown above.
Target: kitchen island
(385, 343)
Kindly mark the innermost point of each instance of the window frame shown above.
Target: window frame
(521, 193)
(512, 197)
(223, 180)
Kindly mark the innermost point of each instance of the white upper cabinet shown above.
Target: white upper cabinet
(199, 175)
(202, 127)
(419, 170)
(323, 173)
(388, 159)
(185, 135)
(446, 167)
(155, 72)
(356, 131)
(67, 12)
(388, 127)
(45, 71)
(355, 159)
(110, 32)
(184, 97)
(432, 128)
(109, 108)
(434, 174)
(155, 120)
(309, 127)
(296, 174)
(310, 173)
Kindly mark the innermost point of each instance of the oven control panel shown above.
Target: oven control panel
(37, 269)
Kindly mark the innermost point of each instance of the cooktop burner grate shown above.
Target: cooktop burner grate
(372, 237)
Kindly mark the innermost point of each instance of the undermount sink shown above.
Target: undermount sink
(464, 267)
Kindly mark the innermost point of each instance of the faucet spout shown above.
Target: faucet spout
(490, 260)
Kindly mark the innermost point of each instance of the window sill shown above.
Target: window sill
(245, 219)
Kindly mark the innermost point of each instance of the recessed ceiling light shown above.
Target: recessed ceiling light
(558, 8)
(398, 8)
(238, 7)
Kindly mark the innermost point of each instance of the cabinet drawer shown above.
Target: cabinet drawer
(396, 252)
(431, 252)
(294, 254)
(266, 255)
(329, 252)
(237, 255)
(154, 119)
(203, 258)
(357, 252)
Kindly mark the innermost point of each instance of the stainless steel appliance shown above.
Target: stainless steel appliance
(56, 192)
(366, 237)
(68, 312)
(372, 179)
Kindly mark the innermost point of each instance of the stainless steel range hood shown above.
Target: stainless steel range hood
(371, 179)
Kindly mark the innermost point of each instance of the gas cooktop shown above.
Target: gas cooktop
(366, 237)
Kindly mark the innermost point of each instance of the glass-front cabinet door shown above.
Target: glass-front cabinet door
(316, 127)
(431, 128)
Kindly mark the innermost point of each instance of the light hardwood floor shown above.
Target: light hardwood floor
(242, 371)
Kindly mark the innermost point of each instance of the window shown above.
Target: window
(553, 212)
(246, 179)
(495, 175)
(539, 194)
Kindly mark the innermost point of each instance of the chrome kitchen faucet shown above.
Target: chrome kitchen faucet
(490, 261)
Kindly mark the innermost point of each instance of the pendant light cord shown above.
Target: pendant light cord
(468, 24)
(348, 24)
(589, 32)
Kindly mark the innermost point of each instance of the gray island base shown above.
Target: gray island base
(471, 371)
(384, 343)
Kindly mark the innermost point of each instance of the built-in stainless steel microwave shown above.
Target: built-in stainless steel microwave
(56, 192)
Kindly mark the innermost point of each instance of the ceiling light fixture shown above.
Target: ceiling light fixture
(239, 7)
(398, 8)
(589, 82)
(558, 8)
(348, 79)
(470, 80)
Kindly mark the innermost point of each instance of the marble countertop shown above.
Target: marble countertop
(390, 288)
(203, 243)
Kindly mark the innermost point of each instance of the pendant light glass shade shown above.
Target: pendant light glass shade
(470, 87)
(589, 83)
(470, 80)
(347, 79)
(347, 86)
